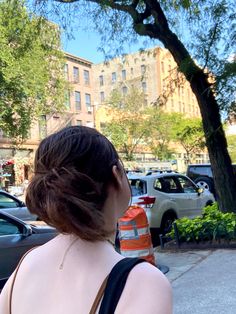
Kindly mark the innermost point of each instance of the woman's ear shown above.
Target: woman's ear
(117, 175)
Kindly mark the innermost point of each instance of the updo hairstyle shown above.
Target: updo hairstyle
(73, 168)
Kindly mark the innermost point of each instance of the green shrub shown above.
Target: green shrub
(213, 225)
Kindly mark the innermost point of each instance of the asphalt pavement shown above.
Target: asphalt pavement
(203, 281)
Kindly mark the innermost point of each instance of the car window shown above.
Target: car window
(7, 202)
(169, 185)
(7, 228)
(138, 187)
(158, 185)
(187, 185)
(200, 170)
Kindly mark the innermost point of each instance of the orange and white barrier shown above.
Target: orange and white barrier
(134, 235)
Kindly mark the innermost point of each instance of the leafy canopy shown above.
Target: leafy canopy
(162, 132)
(189, 133)
(128, 125)
(31, 76)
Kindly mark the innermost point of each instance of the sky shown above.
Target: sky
(86, 43)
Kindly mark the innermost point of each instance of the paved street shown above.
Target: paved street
(203, 281)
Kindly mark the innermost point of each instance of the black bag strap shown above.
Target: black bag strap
(116, 283)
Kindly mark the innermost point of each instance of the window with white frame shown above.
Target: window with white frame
(113, 77)
(88, 103)
(102, 96)
(76, 74)
(77, 101)
(101, 80)
(123, 74)
(86, 77)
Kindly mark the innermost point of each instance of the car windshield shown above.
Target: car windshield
(138, 187)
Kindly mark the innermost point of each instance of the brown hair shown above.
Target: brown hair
(73, 168)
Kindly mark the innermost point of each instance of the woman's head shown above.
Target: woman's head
(73, 172)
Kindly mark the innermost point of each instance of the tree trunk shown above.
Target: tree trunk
(216, 143)
(223, 176)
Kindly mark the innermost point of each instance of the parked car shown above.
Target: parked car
(166, 197)
(201, 174)
(16, 238)
(12, 205)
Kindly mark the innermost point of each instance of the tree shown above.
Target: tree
(31, 71)
(213, 44)
(189, 133)
(128, 125)
(160, 135)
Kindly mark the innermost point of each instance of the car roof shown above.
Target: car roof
(199, 165)
(154, 175)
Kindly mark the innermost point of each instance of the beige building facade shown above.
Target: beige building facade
(154, 72)
(16, 164)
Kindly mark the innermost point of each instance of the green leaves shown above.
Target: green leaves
(31, 76)
(213, 225)
(128, 125)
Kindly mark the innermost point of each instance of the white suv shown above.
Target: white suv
(167, 196)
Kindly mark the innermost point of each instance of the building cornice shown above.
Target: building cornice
(78, 60)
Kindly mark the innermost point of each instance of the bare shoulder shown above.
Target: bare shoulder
(38, 256)
(147, 291)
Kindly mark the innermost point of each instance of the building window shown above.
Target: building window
(132, 71)
(144, 87)
(179, 106)
(113, 77)
(76, 74)
(86, 77)
(101, 80)
(102, 96)
(67, 99)
(79, 122)
(88, 103)
(124, 90)
(143, 69)
(77, 101)
(66, 71)
(169, 67)
(123, 74)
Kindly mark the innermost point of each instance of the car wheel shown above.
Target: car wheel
(167, 222)
(209, 203)
(205, 183)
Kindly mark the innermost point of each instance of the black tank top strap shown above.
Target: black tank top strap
(116, 283)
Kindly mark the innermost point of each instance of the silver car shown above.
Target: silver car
(12, 205)
(167, 196)
(16, 238)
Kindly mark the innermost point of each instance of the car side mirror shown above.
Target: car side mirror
(200, 191)
(27, 231)
(22, 204)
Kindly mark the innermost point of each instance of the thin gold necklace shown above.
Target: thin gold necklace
(111, 242)
(65, 254)
(69, 247)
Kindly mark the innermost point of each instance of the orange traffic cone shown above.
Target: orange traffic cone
(134, 235)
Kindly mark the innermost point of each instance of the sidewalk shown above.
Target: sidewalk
(203, 281)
